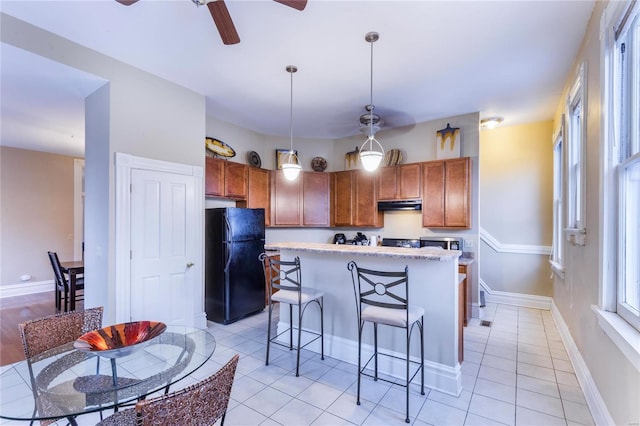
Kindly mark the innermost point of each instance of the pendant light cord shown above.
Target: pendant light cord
(291, 116)
(371, 94)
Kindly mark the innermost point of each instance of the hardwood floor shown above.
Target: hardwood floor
(14, 310)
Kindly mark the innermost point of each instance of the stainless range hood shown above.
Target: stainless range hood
(400, 205)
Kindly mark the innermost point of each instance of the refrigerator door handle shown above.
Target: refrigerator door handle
(227, 255)
(227, 244)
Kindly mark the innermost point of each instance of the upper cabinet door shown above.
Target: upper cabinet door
(408, 176)
(387, 183)
(457, 193)
(400, 182)
(235, 180)
(214, 177)
(286, 200)
(365, 203)
(316, 195)
(341, 198)
(446, 193)
(259, 192)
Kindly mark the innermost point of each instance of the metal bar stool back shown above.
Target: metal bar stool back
(382, 297)
(284, 282)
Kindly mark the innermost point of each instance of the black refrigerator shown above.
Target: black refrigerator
(234, 279)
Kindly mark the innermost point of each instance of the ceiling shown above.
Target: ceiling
(434, 59)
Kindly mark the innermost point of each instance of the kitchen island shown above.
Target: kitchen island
(433, 284)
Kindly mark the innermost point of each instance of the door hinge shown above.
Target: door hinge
(130, 254)
(131, 188)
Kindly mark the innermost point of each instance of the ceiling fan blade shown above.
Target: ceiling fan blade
(222, 19)
(127, 2)
(296, 4)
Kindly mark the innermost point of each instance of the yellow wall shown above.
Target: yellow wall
(516, 170)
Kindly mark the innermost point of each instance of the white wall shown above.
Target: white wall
(136, 113)
(617, 380)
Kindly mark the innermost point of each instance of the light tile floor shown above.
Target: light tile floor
(515, 372)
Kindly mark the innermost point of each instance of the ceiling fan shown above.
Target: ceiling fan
(222, 19)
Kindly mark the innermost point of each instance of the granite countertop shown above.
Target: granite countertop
(426, 253)
(466, 260)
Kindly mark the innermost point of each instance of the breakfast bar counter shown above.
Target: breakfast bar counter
(433, 285)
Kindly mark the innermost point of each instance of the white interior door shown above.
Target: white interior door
(162, 258)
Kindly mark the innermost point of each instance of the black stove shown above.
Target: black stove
(401, 242)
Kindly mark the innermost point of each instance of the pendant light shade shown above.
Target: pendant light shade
(371, 151)
(291, 166)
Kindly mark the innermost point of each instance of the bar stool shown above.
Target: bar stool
(383, 298)
(284, 282)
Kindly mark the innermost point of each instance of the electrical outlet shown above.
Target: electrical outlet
(468, 243)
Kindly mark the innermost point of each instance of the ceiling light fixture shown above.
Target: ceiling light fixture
(491, 122)
(370, 154)
(291, 166)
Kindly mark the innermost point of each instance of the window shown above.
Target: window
(557, 262)
(626, 112)
(575, 194)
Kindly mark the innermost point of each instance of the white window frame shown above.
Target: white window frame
(623, 334)
(630, 157)
(575, 143)
(557, 253)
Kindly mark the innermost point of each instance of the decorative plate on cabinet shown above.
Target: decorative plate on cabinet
(393, 157)
(318, 164)
(254, 159)
(219, 148)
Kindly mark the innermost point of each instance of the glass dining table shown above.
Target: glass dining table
(65, 382)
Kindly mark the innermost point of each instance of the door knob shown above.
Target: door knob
(190, 264)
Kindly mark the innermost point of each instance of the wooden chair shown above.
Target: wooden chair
(61, 283)
(43, 334)
(200, 404)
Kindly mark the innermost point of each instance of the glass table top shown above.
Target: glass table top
(65, 381)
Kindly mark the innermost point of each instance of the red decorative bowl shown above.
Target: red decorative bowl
(120, 339)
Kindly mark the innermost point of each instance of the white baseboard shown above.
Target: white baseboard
(595, 402)
(436, 376)
(25, 288)
(517, 299)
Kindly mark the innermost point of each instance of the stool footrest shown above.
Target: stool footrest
(420, 367)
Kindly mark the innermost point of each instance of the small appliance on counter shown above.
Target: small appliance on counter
(401, 242)
(339, 239)
(447, 243)
(359, 240)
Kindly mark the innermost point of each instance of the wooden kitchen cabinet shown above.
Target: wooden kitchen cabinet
(302, 202)
(354, 199)
(286, 200)
(401, 182)
(214, 177)
(446, 190)
(225, 179)
(468, 286)
(315, 199)
(258, 192)
(341, 194)
(366, 203)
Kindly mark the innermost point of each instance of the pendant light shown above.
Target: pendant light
(371, 152)
(291, 166)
